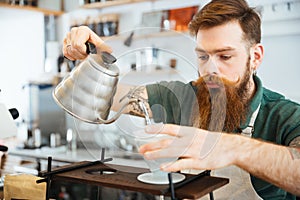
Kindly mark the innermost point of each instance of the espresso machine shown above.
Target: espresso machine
(43, 117)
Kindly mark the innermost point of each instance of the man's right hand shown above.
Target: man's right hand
(74, 47)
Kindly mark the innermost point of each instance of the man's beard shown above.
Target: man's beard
(223, 108)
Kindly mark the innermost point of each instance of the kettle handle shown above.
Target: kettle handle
(106, 57)
(90, 48)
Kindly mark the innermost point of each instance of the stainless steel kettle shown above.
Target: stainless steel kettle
(87, 92)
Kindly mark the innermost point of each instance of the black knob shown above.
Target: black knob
(14, 113)
(3, 148)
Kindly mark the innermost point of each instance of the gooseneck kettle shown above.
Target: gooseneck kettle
(87, 92)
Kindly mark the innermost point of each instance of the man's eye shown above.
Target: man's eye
(225, 57)
(203, 57)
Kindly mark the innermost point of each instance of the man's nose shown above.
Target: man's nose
(211, 67)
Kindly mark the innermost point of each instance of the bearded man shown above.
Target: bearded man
(226, 118)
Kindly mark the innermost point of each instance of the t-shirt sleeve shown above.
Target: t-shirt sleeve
(291, 124)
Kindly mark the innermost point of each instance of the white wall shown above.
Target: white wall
(280, 69)
(281, 38)
(21, 53)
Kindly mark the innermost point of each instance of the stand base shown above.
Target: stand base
(125, 177)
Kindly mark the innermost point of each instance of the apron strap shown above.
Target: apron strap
(248, 131)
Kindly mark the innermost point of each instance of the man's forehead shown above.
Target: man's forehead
(221, 36)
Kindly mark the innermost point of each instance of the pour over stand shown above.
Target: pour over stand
(125, 178)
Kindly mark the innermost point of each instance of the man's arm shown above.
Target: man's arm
(276, 164)
(201, 149)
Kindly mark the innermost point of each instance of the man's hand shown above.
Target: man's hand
(74, 47)
(196, 148)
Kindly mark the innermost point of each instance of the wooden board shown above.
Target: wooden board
(125, 177)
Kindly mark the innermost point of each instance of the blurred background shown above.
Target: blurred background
(151, 42)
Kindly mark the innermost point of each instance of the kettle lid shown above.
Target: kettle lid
(97, 62)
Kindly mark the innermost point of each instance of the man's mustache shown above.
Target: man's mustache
(217, 80)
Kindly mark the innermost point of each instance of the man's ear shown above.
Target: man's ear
(257, 55)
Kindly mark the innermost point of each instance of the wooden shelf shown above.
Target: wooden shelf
(166, 33)
(106, 4)
(31, 8)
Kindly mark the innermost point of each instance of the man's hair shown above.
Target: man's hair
(219, 12)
